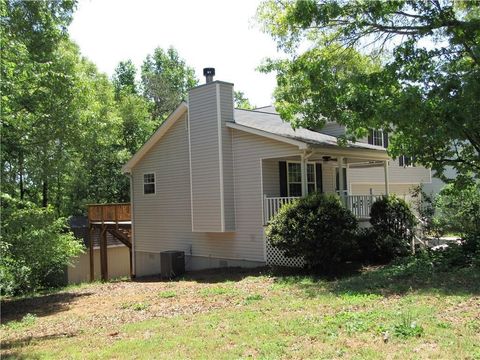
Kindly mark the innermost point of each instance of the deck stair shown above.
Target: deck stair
(114, 219)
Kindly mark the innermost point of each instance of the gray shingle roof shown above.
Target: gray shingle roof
(272, 123)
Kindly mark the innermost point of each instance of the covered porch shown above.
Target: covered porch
(287, 178)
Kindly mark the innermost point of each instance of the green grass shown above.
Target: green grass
(137, 306)
(167, 294)
(217, 290)
(251, 298)
(392, 311)
(27, 321)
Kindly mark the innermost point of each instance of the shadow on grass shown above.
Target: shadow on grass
(16, 309)
(25, 341)
(393, 279)
(212, 276)
(19, 356)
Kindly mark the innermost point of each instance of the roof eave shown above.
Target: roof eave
(301, 145)
(157, 135)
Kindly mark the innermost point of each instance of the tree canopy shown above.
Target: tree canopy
(241, 101)
(124, 78)
(166, 80)
(409, 67)
(66, 128)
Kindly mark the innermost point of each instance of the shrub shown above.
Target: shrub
(35, 246)
(371, 247)
(458, 207)
(318, 228)
(471, 249)
(392, 230)
(425, 205)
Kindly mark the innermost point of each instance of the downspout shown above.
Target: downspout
(132, 202)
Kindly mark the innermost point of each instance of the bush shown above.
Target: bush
(35, 246)
(391, 233)
(425, 205)
(471, 248)
(458, 208)
(318, 228)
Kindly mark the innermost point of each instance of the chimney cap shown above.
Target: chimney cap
(208, 71)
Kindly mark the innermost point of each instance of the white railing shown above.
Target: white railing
(360, 205)
(271, 206)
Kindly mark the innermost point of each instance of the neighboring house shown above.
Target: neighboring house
(211, 176)
(118, 254)
(437, 184)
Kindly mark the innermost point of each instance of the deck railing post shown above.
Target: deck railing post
(92, 254)
(103, 255)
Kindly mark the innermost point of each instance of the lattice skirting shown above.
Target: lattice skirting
(275, 257)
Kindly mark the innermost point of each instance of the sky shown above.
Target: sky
(206, 33)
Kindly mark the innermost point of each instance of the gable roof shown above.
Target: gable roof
(271, 122)
(262, 121)
(157, 135)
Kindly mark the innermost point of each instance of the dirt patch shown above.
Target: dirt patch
(101, 308)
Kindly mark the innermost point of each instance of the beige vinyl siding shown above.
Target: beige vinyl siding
(379, 189)
(205, 159)
(333, 129)
(271, 177)
(328, 177)
(226, 105)
(397, 174)
(248, 151)
(163, 219)
(118, 263)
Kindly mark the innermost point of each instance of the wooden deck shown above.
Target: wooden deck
(109, 213)
(114, 219)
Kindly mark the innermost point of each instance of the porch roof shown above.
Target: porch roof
(272, 123)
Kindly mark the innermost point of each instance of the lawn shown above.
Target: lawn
(394, 312)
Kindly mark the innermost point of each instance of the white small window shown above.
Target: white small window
(378, 138)
(406, 161)
(294, 177)
(149, 183)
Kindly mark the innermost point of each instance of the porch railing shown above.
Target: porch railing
(271, 206)
(359, 205)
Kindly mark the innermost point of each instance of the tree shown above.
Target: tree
(409, 67)
(458, 208)
(134, 109)
(34, 246)
(166, 80)
(241, 101)
(124, 78)
(36, 93)
(137, 124)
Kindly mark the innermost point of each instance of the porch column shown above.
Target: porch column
(387, 185)
(303, 169)
(341, 184)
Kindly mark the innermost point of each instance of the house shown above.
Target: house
(211, 176)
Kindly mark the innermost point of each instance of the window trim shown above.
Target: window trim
(402, 161)
(308, 182)
(154, 182)
(337, 170)
(381, 134)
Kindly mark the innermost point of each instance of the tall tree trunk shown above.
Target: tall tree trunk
(45, 193)
(21, 184)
